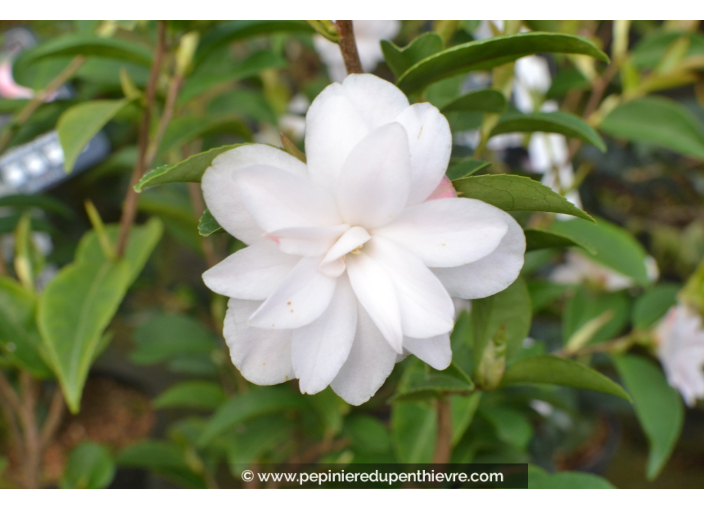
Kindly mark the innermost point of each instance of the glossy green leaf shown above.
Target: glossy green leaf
(561, 371)
(465, 168)
(188, 170)
(91, 45)
(89, 466)
(539, 239)
(208, 225)
(163, 337)
(82, 122)
(653, 304)
(541, 479)
(586, 305)
(548, 122)
(463, 411)
(512, 427)
(486, 100)
(658, 406)
(566, 81)
(490, 53)
(191, 394)
(615, 247)
(658, 121)
(400, 59)
(515, 193)
(422, 382)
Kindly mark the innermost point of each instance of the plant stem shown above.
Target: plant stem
(53, 417)
(129, 209)
(443, 445)
(33, 450)
(348, 47)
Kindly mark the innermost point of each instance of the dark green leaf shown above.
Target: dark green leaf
(91, 45)
(487, 100)
(89, 466)
(249, 442)
(465, 168)
(164, 337)
(490, 53)
(208, 225)
(586, 305)
(538, 239)
(367, 434)
(188, 128)
(542, 293)
(541, 479)
(511, 426)
(653, 304)
(658, 406)
(192, 394)
(422, 382)
(463, 411)
(165, 459)
(400, 59)
(414, 431)
(515, 193)
(246, 102)
(564, 372)
(566, 81)
(43, 202)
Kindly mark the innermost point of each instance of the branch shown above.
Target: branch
(53, 417)
(348, 47)
(443, 446)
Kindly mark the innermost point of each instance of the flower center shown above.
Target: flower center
(352, 241)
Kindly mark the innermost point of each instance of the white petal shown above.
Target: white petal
(426, 308)
(321, 348)
(307, 241)
(377, 295)
(250, 273)
(369, 363)
(333, 264)
(448, 232)
(378, 101)
(220, 190)
(373, 186)
(262, 355)
(301, 298)
(435, 351)
(277, 199)
(491, 274)
(430, 143)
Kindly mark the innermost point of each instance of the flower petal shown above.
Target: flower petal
(307, 241)
(321, 348)
(263, 356)
(333, 264)
(222, 195)
(301, 298)
(377, 295)
(378, 101)
(490, 274)
(430, 143)
(435, 351)
(373, 186)
(426, 308)
(276, 199)
(250, 273)
(448, 232)
(369, 363)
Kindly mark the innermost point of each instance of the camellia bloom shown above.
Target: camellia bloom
(350, 264)
(680, 347)
(579, 268)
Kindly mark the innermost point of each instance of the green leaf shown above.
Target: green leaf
(192, 394)
(465, 168)
(187, 128)
(188, 170)
(208, 225)
(400, 59)
(541, 479)
(422, 382)
(490, 53)
(164, 337)
(249, 442)
(89, 466)
(257, 402)
(44, 202)
(586, 305)
(511, 426)
(615, 247)
(91, 45)
(486, 100)
(165, 459)
(249, 103)
(653, 304)
(538, 239)
(463, 411)
(515, 193)
(564, 372)
(542, 293)
(80, 123)
(367, 434)
(657, 121)
(19, 337)
(659, 408)
(565, 81)
(79, 303)
(652, 47)
(548, 122)
(414, 431)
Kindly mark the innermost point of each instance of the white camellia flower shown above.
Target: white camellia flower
(680, 347)
(368, 34)
(579, 268)
(351, 265)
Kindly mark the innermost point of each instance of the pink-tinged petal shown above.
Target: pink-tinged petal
(250, 273)
(377, 295)
(276, 199)
(435, 351)
(221, 192)
(448, 232)
(373, 186)
(430, 144)
(307, 241)
(444, 190)
(369, 363)
(321, 348)
(333, 264)
(301, 298)
(426, 307)
(491, 274)
(263, 356)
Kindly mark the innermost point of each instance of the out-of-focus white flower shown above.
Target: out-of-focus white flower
(579, 268)
(367, 34)
(349, 264)
(680, 347)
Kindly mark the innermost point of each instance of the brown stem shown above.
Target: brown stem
(129, 209)
(32, 457)
(348, 47)
(39, 99)
(169, 107)
(443, 445)
(10, 406)
(53, 417)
